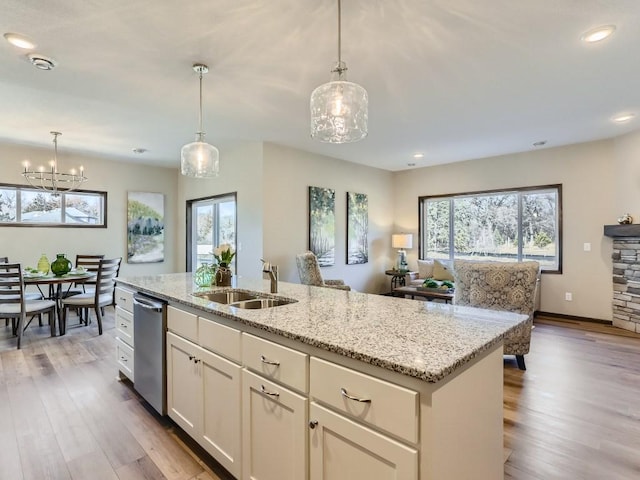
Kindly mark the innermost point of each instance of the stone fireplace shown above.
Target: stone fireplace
(626, 275)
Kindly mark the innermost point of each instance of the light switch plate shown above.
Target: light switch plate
(587, 247)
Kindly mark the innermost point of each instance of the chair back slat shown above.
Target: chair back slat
(89, 262)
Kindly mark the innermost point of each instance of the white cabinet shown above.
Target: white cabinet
(274, 422)
(341, 449)
(203, 398)
(124, 332)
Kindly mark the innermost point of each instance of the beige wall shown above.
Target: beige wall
(287, 175)
(26, 244)
(589, 176)
(240, 172)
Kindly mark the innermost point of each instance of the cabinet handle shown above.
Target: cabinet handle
(263, 359)
(313, 424)
(267, 392)
(123, 325)
(191, 357)
(123, 359)
(344, 393)
(196, 360)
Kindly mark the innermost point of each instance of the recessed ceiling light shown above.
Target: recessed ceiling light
(20, 41)
(599, 33)
(541, 143)
(42, 62)
(623, 117)
(411, 164)
(418, 155)
(139, 151)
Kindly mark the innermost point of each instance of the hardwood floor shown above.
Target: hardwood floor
(574, 414)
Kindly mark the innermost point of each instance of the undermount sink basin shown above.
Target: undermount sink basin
(262, 303)
(242, 299)
(230, 296)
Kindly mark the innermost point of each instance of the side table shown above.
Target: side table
(398, 277)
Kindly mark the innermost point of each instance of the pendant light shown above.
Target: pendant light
(52, 181)
(199, 159)
(339, 109)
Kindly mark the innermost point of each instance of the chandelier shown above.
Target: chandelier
(199, 159)
(339, 109)
(52, 180)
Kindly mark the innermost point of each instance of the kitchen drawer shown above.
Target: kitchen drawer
(124, 325)
(276, 362)
(125, 359)
(124, 299)
(182, 323)
(389, 407)
(219, 339)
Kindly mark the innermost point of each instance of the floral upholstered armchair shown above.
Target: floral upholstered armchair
(309, 272)
(509, 286)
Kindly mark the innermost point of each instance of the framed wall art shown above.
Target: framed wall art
(145, 227)
(357, 228)
(322, 224)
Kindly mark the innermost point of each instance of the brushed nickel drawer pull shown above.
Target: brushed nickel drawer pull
(267, 392)
(263, 359)
(344, 393)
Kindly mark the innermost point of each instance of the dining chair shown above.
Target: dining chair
(309, 273)
(90, 263)
(15, 307)
(102, 296)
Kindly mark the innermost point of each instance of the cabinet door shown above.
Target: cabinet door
(341, 449)
(184, 385)
(274, 431)
(221, 386)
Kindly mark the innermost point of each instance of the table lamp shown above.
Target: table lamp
(402, 241)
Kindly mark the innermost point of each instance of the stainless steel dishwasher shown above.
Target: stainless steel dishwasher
(149, 326)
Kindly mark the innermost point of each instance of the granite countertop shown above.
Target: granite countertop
(425, 340)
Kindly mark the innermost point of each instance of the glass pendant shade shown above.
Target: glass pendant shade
(200, 160)
(339, 112)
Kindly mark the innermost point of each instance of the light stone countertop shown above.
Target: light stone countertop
(425, 340)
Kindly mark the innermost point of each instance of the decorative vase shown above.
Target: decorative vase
(60, 265)
(223, 276)
(204, 275)
(43, 264)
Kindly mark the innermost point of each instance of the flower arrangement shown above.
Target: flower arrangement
(224, 254)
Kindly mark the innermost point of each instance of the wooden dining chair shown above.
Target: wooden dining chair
(14, 306)
(90, 263)
(101, 297)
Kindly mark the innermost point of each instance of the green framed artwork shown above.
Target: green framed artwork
(322, 224)
(357, 228)
(145, 227)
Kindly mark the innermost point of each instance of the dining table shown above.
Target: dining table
(55, 283)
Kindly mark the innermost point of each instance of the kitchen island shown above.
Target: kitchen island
(335, 384)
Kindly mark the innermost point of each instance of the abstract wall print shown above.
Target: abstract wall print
(322, 224)
(145, 227)
(357, 228)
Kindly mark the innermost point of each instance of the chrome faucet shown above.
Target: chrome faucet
(272, 270)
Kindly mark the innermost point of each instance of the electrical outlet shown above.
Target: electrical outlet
(587, 247)
(568, 296)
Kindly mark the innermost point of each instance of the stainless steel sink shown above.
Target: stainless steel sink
(227, 297)
(242, 299)
(258, 303)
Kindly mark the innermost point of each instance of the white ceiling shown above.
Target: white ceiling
(455, 79)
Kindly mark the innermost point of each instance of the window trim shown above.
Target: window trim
(63, 191)
(189, 223)
(421, 213)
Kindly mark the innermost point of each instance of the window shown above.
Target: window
(210, 222)
(518, 224)
(23, 206)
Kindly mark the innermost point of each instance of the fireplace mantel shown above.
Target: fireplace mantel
(626, 230)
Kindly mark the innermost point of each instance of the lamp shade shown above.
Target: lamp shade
(200, 160)
(339, 112)
(402, 240)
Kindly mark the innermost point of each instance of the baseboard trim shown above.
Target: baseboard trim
(561, 316)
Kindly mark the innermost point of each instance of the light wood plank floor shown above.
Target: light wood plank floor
(574, 414)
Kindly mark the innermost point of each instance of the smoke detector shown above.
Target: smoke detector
(42, 62)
